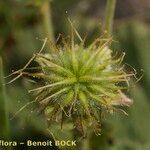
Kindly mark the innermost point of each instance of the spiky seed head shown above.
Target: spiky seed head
(80, 82)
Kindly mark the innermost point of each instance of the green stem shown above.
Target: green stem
(86, 144)
(47, 19)
(4, 115)
(109, 16)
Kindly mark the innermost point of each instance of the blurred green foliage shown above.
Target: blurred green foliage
(21, 24)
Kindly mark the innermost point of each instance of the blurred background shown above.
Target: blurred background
(23, 23)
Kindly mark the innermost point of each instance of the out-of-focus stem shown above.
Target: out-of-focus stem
(47, 19)
(4, 115)
(86, 144)
(109, 15)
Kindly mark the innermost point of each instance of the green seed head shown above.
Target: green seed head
(81, 82)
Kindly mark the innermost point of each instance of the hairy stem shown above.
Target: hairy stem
(109, 16)
(47, 19)
(4, 116)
